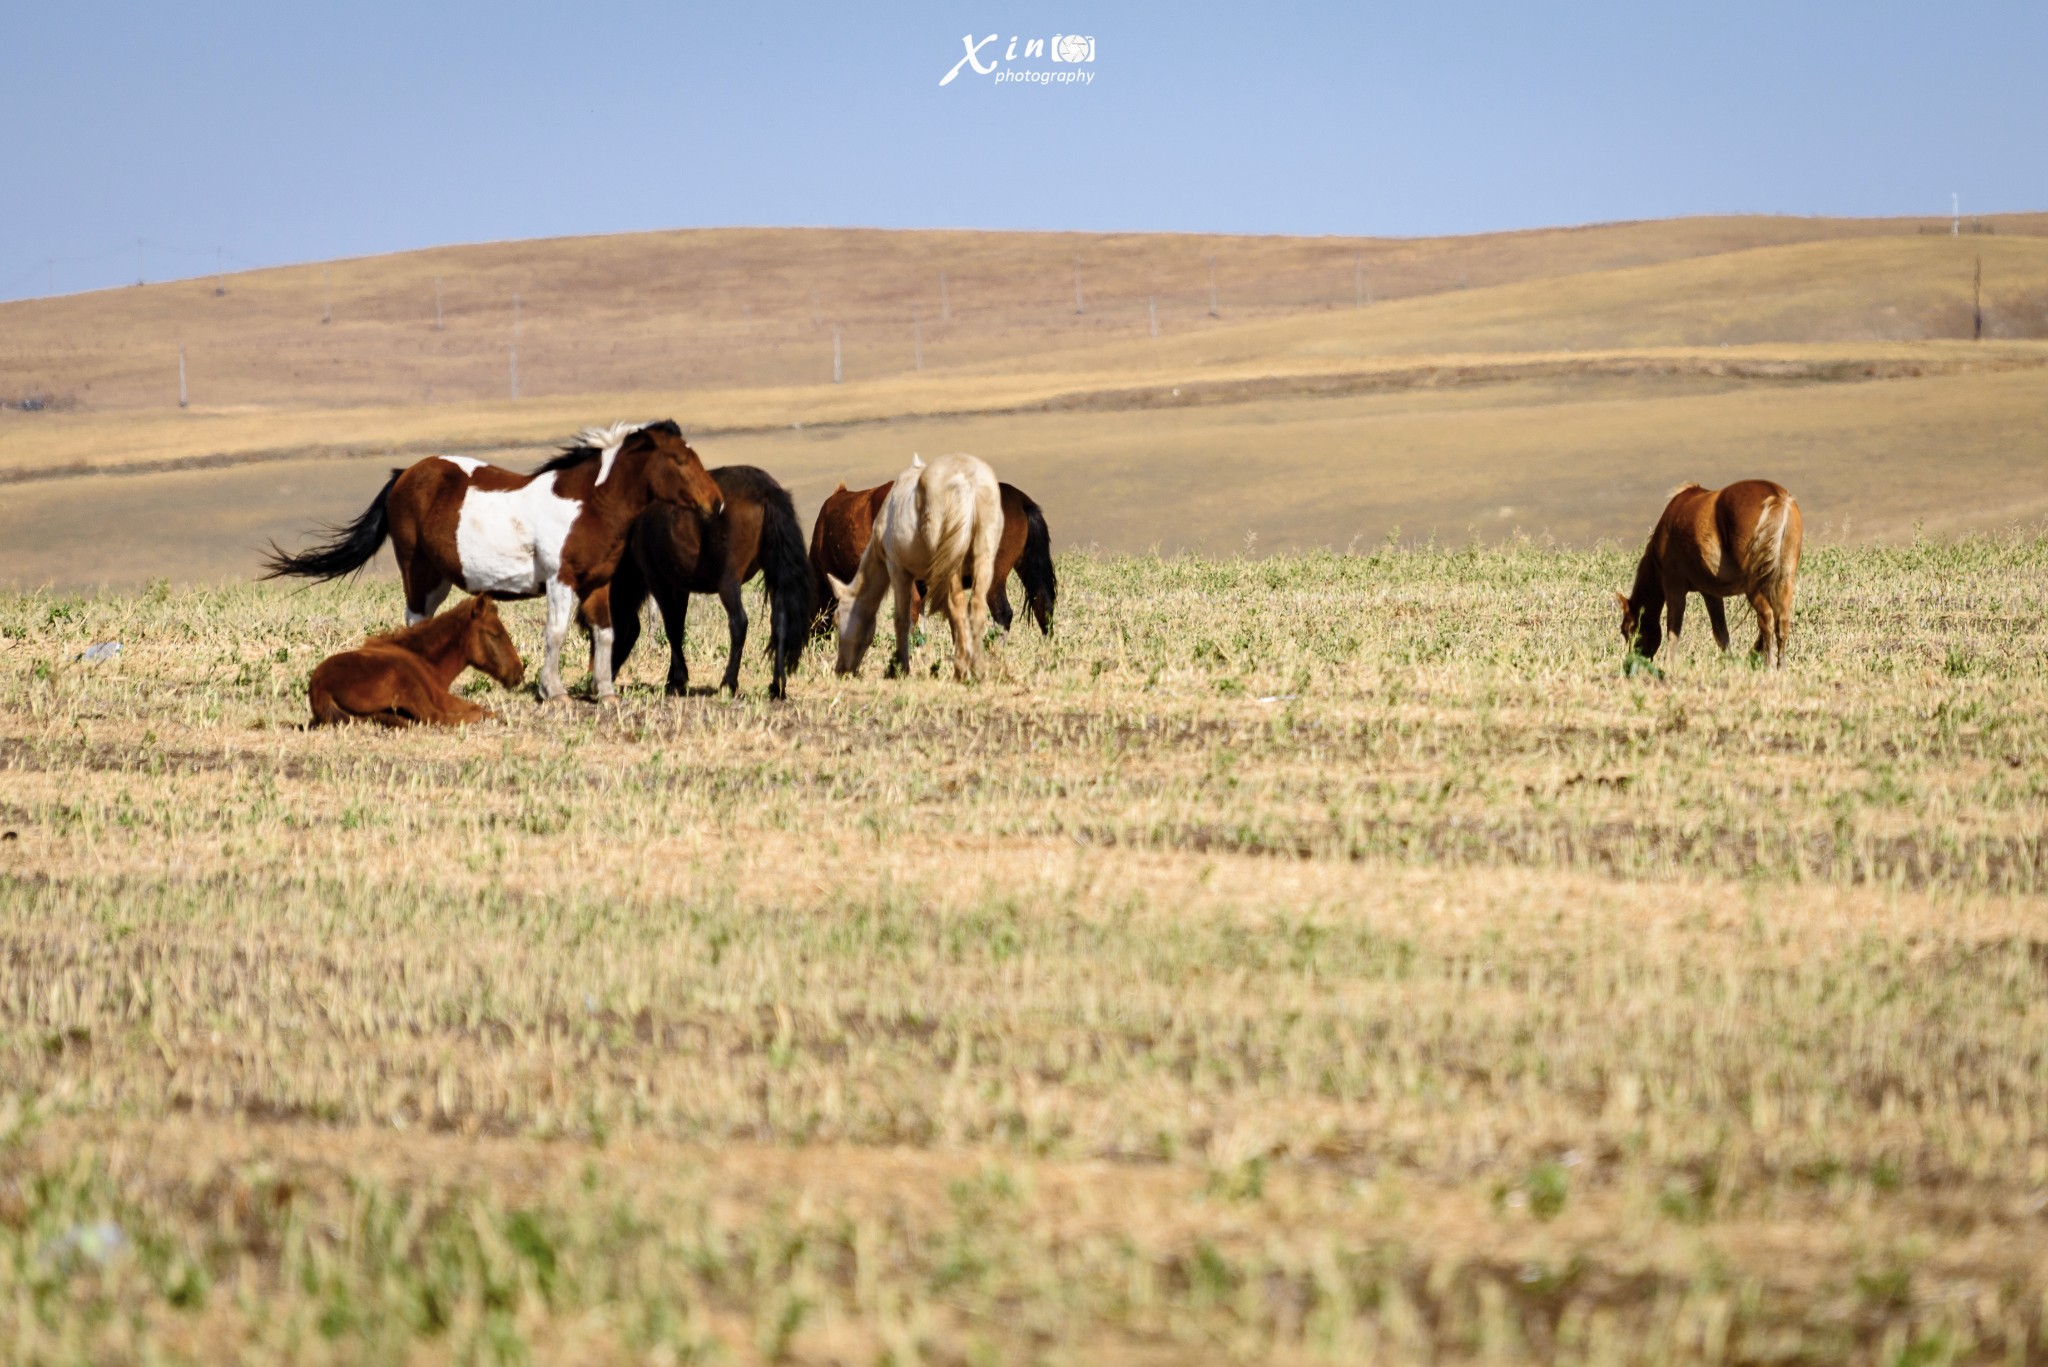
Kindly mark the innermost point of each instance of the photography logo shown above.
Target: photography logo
(1012, 65)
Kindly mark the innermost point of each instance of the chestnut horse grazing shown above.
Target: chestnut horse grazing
(456, 522)
(674, 554)
(847, 519)
(1743, 539)
(401, 678)
(936, 521)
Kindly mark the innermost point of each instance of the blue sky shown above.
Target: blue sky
(295, 132)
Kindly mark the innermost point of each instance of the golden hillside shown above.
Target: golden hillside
(1576, 375)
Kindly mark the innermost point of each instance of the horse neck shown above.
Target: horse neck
(623, 495)
(1648, 590)
(871, 577)
(442, 643)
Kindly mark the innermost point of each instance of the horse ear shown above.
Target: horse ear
(841, 591)
(916, 461)
(666, 425)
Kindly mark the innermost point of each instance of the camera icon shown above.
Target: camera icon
(1072, 47)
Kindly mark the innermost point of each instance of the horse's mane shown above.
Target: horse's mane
(593, 442)
(406, 638)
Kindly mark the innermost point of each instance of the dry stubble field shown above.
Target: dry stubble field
(1324, 958)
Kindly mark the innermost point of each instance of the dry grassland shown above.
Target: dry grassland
(1320, 958)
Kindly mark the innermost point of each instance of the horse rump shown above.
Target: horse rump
(346, 550)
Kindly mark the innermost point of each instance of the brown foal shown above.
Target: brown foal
(1743, 539)
(401, 678)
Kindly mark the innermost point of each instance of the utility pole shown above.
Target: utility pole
(835, 353)
(945, 307)
(327, 293)
(916, 339)
(437, 303)
(1212, 288)
(1955, 227)
(140, 274)
(1077, 286)
(218, 288)
(1152, 313)
(1977, 302)
(181, 374)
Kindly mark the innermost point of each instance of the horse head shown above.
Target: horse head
(490, 645)
(675, 474)
(1640, 629)
(855, 624)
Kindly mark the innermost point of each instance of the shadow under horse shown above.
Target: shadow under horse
(673, 552)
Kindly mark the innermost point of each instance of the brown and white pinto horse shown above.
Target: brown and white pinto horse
(457, 522)
(1744, 539)
(847, 519)
(401, 678)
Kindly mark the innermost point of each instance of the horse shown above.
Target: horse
(674, 554)
(1744, 539)
(847, 520)
(937, 521)
(401, 678)
(457, 522)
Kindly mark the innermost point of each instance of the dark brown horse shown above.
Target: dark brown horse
(1744, 539)
(402, 677)
(456, 522)
(673, 554)
(847, 520)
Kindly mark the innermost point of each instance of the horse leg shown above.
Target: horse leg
(421, 605)
(1717, 616)
(598, 608)
(1766, 623)
(1784, 607)
(999, 604)
(629, 594)
(1674, 615)
(674, 602)
(736, 628)
(561, 611)
(901, 586)
(960, 615)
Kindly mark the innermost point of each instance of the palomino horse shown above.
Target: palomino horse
(401, 678)
(847, 519)
(559, 531)
(1743, 539)
(937, 520)
(674, 554)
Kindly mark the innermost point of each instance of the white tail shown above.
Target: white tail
(1767, 543)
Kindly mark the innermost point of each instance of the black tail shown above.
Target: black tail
(786, 570)
(1041, 584)
(346, 549)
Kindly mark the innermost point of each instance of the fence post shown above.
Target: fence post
(1152, 313)
(181, 374)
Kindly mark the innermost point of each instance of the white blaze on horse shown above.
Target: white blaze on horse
(938, 522)
(454, 522)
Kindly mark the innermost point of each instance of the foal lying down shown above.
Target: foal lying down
(401, 678)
